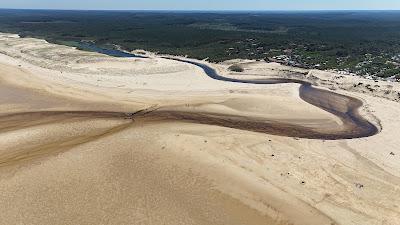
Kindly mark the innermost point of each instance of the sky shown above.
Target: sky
(204, 4)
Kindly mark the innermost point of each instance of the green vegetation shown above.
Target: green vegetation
(236, 68)
(365, 43)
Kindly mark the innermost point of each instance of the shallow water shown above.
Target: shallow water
(344, 107)
(111, 52)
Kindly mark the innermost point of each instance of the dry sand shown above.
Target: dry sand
(327, 79)
(91, 167)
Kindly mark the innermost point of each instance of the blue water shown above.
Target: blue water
(323, 99)
(111, 52)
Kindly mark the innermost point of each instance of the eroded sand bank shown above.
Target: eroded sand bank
(98, 168)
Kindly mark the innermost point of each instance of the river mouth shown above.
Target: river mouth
(346, 108)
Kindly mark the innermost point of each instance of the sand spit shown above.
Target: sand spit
(66, 159)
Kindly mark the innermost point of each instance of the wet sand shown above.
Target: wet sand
(106, 148)
(163, 191)
(344, 107)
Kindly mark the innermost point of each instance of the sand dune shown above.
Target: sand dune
(72, 151)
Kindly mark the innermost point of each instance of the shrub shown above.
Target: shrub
(236, 68)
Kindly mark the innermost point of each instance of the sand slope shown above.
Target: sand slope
(96, 168)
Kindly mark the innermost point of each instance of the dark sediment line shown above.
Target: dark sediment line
(344, 107)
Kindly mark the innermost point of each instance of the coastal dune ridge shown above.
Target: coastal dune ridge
(87, 138)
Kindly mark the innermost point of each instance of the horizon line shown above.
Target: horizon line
(207, 10)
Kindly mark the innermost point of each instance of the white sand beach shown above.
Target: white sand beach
(67, 156)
